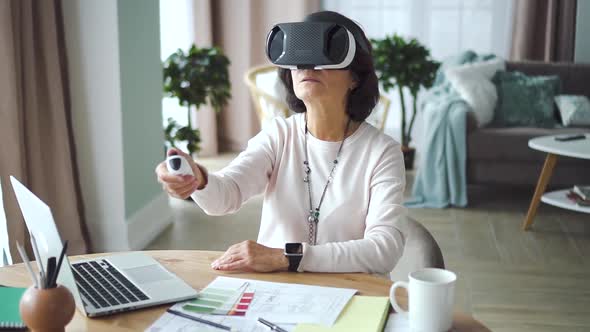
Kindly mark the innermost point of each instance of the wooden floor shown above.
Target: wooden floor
(508, 279)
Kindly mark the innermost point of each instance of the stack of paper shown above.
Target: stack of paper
(280, 303)
(363, 313)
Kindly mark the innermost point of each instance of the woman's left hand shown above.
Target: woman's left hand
(251, 257)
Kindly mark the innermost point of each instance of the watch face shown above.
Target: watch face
(294, 248)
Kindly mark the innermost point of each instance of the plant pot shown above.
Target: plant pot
(409, 154)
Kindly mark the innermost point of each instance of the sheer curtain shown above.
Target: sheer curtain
(446, 27)
(177, 32)
(183, 23)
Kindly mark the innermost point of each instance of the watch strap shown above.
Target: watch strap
(294, 261)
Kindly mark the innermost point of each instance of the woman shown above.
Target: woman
(331, 181)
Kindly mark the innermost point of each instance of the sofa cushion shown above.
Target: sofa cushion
(510, 144)
(525, 100)
(473, 83)
(574, 110)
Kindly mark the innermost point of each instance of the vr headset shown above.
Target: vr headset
(325, 40)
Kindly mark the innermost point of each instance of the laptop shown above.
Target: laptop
(5, 258)
(103, 285)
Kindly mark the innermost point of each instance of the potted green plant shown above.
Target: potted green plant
(403, 64)
(197, 77)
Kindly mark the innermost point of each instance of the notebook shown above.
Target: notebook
(361, 314)
(9, 315)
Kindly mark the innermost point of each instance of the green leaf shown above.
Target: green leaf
(197, 77)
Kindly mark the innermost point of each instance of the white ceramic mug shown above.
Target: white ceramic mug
(431, 293)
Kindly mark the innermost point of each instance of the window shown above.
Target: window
(175, 32)
(446, 27)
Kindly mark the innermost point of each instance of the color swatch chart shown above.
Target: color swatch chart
(221, 301)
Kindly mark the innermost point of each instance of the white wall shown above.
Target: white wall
(115, 84)
(141, 83)
(93, 56)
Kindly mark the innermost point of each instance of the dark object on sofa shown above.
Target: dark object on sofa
(502, 156)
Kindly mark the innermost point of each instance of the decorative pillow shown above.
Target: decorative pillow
(574, 110)
(525, 100)
(472, 82)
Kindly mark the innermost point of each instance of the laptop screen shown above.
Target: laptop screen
(41, 225)
(5, 258)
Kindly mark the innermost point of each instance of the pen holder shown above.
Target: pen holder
(47, 310)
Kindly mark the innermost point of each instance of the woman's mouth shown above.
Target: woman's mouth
(309, 79)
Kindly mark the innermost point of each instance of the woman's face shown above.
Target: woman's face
(329, 85)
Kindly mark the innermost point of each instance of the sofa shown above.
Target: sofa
(501, 156)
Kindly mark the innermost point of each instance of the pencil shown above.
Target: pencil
(25, 259)
(201, 320)
(38, 259)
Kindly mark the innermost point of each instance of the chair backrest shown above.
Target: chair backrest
(268, 95)
(420, 250)
(5, 258)
(378, 116)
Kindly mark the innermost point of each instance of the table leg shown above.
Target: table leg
(541, 185)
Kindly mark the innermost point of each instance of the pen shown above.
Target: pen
(39, 262)
(61, 258)
(25, 259)
(273, 327)
(201, 320)
(241, 291)
(51, 262)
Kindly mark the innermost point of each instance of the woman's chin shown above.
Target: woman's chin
(310, 94)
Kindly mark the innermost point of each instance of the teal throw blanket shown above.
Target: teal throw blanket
(441, 178)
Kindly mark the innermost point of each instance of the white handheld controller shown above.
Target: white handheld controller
(177, 165)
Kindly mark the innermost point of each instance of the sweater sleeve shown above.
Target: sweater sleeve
(382, 245)
(244, 177)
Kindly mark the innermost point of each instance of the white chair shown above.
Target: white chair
(420, 250)
(5, 258)
(378, 116)
(268, 94)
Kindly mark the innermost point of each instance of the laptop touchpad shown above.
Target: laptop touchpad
(148, 273)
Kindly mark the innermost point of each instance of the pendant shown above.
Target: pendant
(314, 217)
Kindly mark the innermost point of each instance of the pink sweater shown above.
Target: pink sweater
(357, 228)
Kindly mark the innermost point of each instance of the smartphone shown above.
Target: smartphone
(569, 137)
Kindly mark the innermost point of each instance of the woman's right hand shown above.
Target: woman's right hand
(180, 186)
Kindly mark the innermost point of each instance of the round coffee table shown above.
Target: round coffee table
(575, 149)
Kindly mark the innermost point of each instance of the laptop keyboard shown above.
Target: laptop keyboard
(104, 286)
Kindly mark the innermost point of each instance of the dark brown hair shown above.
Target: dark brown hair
(361, 100)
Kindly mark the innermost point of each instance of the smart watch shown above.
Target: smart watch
(294, 253)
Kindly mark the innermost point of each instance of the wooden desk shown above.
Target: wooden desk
(194, 268)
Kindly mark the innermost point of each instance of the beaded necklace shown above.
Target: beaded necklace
(314, 214)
